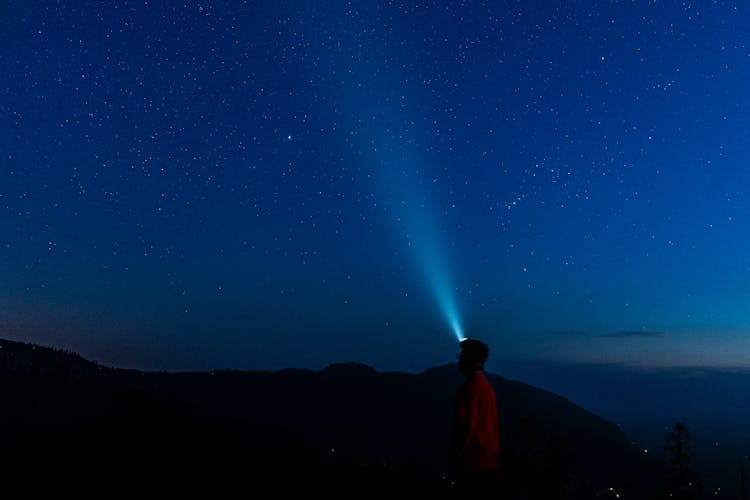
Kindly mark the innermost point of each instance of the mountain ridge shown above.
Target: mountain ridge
(346, 411)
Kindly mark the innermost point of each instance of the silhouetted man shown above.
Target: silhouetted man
(476, 435)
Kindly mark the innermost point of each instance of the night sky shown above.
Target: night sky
(261, 185)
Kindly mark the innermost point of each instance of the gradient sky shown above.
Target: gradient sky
(260, 185)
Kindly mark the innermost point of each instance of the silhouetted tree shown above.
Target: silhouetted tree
(557, 465)
(743, 488)
(535, 464)
(682, 484)
(584, 491)
(520, 467)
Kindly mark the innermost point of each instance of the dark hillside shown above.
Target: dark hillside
(326, 429)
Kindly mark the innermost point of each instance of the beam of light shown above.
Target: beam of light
(377, 105)
(435, 270)
(443, 293)
(419, 223)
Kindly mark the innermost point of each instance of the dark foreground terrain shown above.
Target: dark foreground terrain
(70, 424)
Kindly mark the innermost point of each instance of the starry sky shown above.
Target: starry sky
(270, 184)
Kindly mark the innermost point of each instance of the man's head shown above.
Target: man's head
(473, 355)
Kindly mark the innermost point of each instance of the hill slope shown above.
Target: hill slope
(231, 427)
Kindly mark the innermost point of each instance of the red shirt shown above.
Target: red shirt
(476, 404)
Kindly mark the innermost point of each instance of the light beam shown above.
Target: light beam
(420, 227)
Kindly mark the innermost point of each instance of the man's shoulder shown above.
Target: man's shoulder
(483, 383)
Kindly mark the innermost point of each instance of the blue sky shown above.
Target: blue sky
(271, 184)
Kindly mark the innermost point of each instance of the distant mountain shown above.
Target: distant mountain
(646, 402)
(348, 424)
